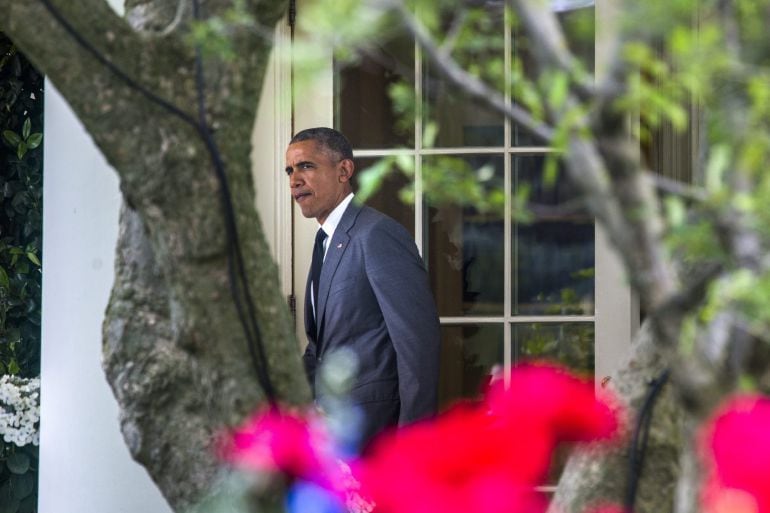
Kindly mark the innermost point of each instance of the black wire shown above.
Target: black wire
(235, 256)
(236, 268)
(638, 448)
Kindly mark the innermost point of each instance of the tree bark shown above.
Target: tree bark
(599, 475)
(174, 351)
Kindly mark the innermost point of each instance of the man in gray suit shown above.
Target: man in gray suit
(372, 294)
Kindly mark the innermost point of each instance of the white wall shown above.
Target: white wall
(84, 464)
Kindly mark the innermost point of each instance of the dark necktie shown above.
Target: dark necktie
(315, 271)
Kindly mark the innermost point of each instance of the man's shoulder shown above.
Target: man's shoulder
(370, 219)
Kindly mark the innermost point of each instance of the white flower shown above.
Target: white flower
(20, 410)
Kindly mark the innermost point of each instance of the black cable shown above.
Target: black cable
(638, 447)
(236, 268)
(235, 256)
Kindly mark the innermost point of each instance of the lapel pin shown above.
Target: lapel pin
(339, 246)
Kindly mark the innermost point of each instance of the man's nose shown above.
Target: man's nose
(294, 179)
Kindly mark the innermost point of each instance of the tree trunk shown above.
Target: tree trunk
(600, 475)
(174, 350)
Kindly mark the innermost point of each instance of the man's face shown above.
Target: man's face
(318, 180)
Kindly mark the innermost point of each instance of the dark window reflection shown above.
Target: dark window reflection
(464, 250)
(571, 344)
(387, 198)
(553, 271)
(364, 111)
(468, 354)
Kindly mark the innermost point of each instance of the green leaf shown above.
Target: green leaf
(676, 212)
(22, 485)
(34, 140)
(28, 505)
(11, 137)
(18, 463)
(21, 150)
(26, 129)
(371, 178)
(13, 368)
(8, 503)
(4, 281)
(558, 90)
(716, 167)
(429, 135)
(33, 258)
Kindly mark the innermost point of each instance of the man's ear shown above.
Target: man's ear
(346, 170)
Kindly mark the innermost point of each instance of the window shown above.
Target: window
(505, 290)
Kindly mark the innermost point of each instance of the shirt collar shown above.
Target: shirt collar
(330, 225)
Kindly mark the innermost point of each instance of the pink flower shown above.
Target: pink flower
(459, 462)
(557, 401)
(486, 458)
(735, 448)
(282, 441)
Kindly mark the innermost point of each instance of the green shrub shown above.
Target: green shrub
(21, 204)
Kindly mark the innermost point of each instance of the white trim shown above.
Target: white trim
(272, 129)
(313, 105)
(419, 204)
(464, 150)
(519, 319)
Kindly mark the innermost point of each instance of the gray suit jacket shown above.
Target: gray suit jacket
(374, 298)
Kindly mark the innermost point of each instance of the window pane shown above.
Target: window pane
(387, 198)
(468, 354)
(464, 248)
(571, 344)
(461, 121)
(363, 110)
(553, 266)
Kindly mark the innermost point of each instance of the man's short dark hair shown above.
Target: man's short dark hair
(327, 138)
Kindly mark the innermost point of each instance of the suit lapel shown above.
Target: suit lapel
(337, 247)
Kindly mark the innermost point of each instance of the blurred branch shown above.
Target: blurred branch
(551, 50)
(465, 81)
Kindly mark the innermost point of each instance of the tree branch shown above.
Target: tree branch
(551, 50)
(467, 82)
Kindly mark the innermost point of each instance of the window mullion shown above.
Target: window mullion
(507, 232)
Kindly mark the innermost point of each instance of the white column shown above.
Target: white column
(84, 465)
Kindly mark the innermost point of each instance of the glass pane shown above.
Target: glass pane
(363, 109)
(464, 248)
(463, 122)
(387, 198)
(553, 257)
(468, 353)
(571, 344)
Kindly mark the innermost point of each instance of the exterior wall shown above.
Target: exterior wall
(84, 465)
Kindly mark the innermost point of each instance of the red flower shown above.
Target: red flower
(735, 447)
(559, 402)
(460, 462)
(487, 458)
(275, 440)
